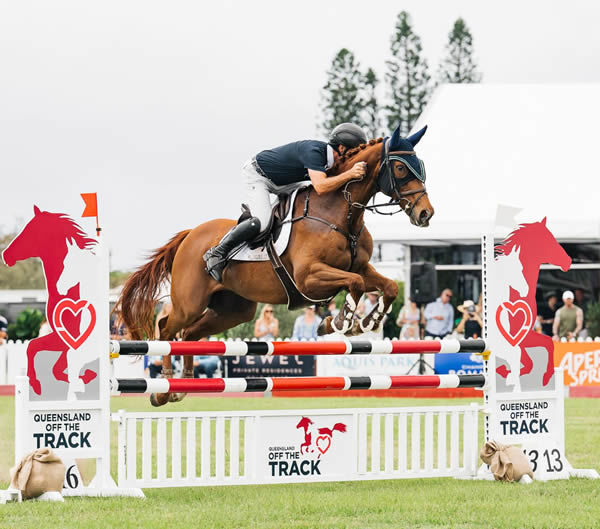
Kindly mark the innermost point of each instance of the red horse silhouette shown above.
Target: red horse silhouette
(46, 236)
(305, 423)
(537, 246)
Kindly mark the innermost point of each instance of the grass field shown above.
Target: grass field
(444, 503)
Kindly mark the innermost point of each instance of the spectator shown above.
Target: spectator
(371, 301)
(332, 310)
(3, 329)
(439, 316)
(568, 320)
(267, 325)
(581, 299)
(117, 327)
(306, 325)
(471, 323)
(408, 321)
(546, 313)
(205, 364)
(45, 328)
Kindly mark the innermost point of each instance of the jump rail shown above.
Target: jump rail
(221, 348)
(268, 384)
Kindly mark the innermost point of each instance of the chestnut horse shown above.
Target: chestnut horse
(323, 257)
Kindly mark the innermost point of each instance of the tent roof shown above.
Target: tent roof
(529, 146)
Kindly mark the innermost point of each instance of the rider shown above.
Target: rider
(279, 171)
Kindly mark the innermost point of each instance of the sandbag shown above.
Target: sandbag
(38, 472)
(507, 462)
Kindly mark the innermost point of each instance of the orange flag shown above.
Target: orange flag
(91, 208)
(91, 204)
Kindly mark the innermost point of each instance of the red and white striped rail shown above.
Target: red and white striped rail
(222, 348)
(267, 384)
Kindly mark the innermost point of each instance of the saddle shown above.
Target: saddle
(280, 209)
(267, 239)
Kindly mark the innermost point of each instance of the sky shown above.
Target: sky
(156, 105)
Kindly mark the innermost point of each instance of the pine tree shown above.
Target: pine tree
(372, 122)
(458, 66)
(342, 97)
(407, 77)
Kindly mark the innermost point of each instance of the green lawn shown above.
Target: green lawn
(443, 503)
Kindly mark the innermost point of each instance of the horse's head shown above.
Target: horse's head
(513, 272)
(547, 248)
(30, 242)
(402, 177)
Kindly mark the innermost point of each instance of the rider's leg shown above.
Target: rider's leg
(260, 208)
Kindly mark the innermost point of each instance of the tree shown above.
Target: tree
(372, 122)
(26, 274)
(458, 66)
(342, 97)
(407, 77)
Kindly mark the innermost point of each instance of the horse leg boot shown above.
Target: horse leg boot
(188, 372)
(216, 257)
(375, 281)
(318, 279)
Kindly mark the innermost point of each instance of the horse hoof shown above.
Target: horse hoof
(325, 327)
(159, 399)
(176, 397)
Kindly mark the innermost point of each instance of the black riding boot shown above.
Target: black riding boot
(216, 258)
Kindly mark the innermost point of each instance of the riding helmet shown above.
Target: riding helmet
(347, 134)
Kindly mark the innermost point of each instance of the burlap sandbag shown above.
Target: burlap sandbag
(507, 462)
(38, 472)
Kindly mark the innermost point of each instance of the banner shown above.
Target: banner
(580, 362)
(458, 364)
(269, 366)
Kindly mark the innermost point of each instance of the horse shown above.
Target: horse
(537, 246)
(46, 236)
(329, 250)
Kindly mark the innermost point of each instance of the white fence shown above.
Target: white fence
(237, 448)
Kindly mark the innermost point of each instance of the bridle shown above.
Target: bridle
(388, 184)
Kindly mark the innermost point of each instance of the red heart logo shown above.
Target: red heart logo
(513, 309)
(74, 307)
(323, 443)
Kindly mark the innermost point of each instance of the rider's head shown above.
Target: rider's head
(346, 136)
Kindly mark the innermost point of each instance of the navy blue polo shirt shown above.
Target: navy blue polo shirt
(290, 163)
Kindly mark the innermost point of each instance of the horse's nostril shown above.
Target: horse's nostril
(424, 216)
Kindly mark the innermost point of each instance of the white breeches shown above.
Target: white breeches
(259, 189)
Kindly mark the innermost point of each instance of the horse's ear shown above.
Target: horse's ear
(36, 210)
(544, 221)
(416, 137)
(395, 137)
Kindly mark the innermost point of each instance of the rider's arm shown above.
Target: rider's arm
(324, 184)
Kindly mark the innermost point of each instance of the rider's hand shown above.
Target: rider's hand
(358, 170)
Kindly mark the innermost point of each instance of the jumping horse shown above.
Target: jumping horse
(328, 251)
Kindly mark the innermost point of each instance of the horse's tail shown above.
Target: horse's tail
(140, 292)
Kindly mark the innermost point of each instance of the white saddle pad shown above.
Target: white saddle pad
(260, 254)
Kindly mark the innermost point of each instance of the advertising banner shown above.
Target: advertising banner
(580, 362)
(314, 447)
(269, 366)
(459, 364)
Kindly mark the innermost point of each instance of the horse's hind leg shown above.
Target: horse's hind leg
(226, 310)
(168, 327)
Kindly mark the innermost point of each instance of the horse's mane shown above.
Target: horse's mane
(66, 226)
(353, 152)
(516, 237)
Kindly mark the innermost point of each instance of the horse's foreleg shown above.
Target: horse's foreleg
(375, 281)
(324, 278)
